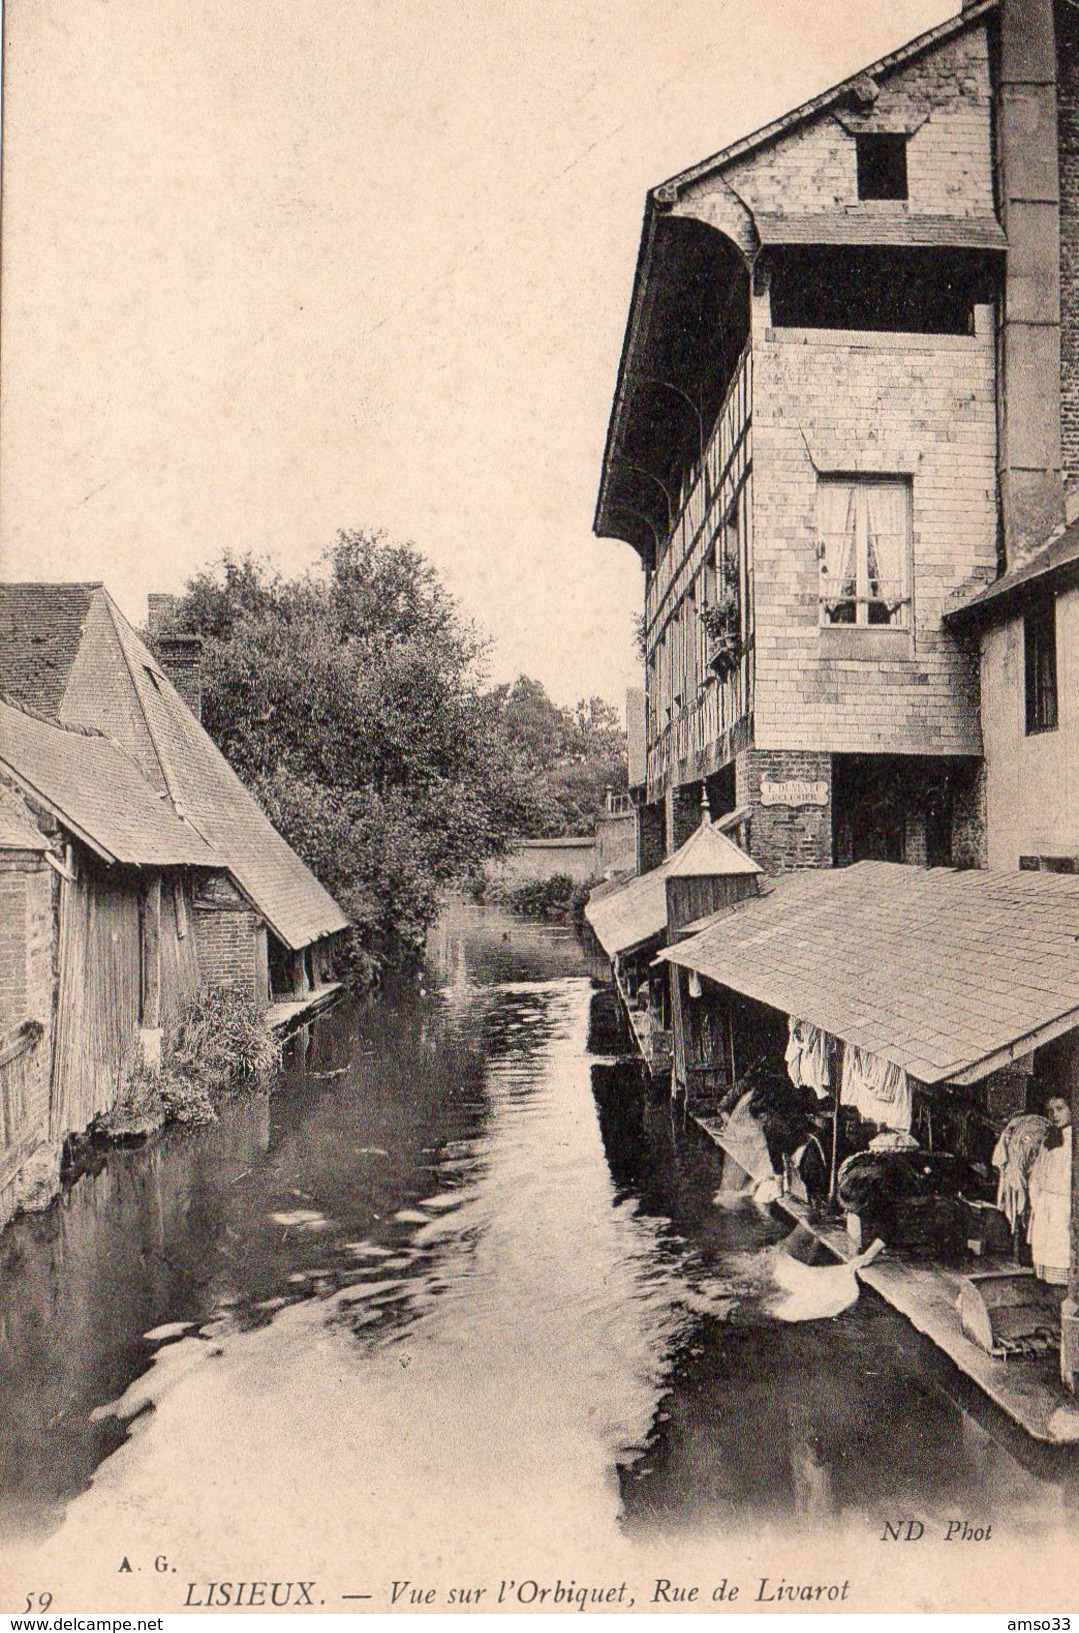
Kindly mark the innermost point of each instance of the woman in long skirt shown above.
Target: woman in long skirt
(1049, 1232)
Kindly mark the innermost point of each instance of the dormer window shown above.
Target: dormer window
(882, 165)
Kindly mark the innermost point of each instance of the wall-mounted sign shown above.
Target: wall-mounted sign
(795, 792)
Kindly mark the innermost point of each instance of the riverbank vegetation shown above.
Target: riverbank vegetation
(215, 1045)
(353, 701)
(557, 900)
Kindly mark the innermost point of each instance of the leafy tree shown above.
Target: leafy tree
(574, 755)
(351, 701)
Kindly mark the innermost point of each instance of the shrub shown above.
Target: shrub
(215, 1044)
(557, 899)
(218, 1039)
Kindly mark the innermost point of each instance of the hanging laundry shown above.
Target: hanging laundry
(807, 1057)
(793, 1052)
(1020, 1141)
(879, 1091)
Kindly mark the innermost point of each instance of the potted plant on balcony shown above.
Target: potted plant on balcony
(723, 626)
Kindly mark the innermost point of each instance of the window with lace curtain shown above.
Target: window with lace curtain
(863, 528)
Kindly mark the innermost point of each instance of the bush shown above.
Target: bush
(557, 900)
(214, 1045)
(218, 1039)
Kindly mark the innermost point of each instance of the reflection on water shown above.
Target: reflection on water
(452, 1256)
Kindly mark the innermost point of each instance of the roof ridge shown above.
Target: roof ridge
(52, 584)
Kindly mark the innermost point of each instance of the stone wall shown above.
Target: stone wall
(539, 859)
(651, 835)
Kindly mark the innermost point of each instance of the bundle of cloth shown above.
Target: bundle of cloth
(872, 1178)
(1014, 1157)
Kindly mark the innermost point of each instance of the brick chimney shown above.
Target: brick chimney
(179, 655)
(161, 612)
(1031, 473)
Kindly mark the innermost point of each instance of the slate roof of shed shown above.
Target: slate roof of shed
(1056, 561)
(632, 915)
(858, 227)
(635, 912)
(937, 970)
(709, 854)
(112, 682)
(98, 792)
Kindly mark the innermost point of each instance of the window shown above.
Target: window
(882, 166)
(864, 549)
(1040, 663)
(879, 287)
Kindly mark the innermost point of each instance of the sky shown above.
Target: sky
(272, 268)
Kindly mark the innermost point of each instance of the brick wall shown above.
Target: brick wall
(1068, 149)
(650, 835)
(27, 953)
(683, 815)
(839, 402)
(943, 99)
(969, 836)
(226, 936)
(784, 837)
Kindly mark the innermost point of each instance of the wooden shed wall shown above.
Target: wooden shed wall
(101, 986)
(98, 1006)
(179, 957)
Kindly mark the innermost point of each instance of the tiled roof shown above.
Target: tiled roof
(1056, 560)
(115, 684)
(861, 226)
(631, 916)
(635, 912)
(939, 971)
(709, 854)
(268, 870)
(98, 792)
(41, 628)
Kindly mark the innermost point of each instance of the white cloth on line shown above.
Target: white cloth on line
(879, 1091)
(807, 1057)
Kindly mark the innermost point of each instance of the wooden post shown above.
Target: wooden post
(1069, 1315)
(151, 955)
(835, 1063)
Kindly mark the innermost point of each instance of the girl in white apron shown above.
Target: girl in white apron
(1049, 1231)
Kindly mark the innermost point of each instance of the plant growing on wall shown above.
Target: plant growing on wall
(723, 626)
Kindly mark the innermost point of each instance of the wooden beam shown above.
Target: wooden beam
(151, 955)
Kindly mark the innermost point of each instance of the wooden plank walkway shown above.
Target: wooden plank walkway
(290, 1012)
(1028, 1389)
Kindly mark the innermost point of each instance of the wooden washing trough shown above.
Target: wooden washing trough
(1009, 1312)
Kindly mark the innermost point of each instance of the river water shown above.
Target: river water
(456, 1304)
